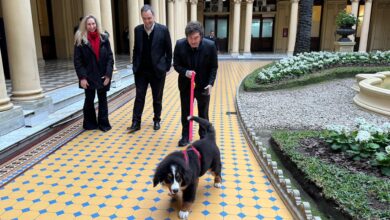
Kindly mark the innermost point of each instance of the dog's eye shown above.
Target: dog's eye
(170, 176)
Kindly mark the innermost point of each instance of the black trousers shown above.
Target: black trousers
(142, 80)
(90, 121)
(203, 110)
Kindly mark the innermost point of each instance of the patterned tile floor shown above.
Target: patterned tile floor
(109, 175)
(58, 73)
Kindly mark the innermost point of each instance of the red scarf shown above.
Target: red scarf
(94, 40)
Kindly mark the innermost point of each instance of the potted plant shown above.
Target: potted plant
(344, 22)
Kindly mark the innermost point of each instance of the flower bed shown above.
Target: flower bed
(369, 143)
(341, 187)
(306, 63)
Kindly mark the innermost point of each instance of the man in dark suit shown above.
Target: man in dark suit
(152, 57)
(213, 38)
(195, 54)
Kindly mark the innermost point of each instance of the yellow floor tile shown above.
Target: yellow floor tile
(102, 175)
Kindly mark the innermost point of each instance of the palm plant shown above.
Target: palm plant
(303, 39)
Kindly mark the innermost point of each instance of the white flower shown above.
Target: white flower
(339, 129)
(363, 136)
(386, 127)
(387, 149)
(360, 121)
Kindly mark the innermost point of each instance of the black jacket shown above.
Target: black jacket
(87, 66)
(161, 49)
(214, 39)
(204, 61)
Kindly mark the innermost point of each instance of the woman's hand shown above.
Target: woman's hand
(106, 80)
(84, 83)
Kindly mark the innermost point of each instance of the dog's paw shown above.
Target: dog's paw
(217, 185)
(184, 214)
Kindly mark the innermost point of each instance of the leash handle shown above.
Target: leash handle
(191, 104)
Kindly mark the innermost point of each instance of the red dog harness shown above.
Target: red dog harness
(185, 153)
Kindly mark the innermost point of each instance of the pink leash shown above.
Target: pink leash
(192, 104)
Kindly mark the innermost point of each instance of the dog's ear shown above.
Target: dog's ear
(156, 181)
(157, 176)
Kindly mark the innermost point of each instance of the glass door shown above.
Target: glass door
(218, 24)
(262, 34)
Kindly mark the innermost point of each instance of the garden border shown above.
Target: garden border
(290, 196)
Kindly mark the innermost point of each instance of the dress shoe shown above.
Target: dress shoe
(105, 129)
(183, 142)
(156, 125)
(90, 127)
(134, 127)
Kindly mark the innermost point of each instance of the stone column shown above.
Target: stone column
(21, 50)
(92, 7)
(355, 11)
(5, 103)
(156, 8)
(107, 24)
(11, 116)
(37, 34)
(171, 22)
(163, 12)
(236, 27)
(194, 4)
(292, 33)
(181, 19)
(140, 4)
(248, 27)
(365, 26)
(134, 15)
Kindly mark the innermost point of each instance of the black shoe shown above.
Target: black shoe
(134, 127)
(183, 142)
(105, 129)
(90, 128)
(156, 125)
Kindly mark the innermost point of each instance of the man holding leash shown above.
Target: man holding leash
(195, 55)
(152, 57)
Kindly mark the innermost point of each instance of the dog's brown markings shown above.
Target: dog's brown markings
(186, 206)
(217, 179)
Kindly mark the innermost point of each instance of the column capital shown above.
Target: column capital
(250, 1)
(294, 1)
(194, 2)
(237, 1)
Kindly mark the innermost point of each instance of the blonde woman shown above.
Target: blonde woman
(93, 62)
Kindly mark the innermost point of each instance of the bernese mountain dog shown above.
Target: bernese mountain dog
(180, 170)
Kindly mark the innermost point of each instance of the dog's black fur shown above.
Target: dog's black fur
(189, 174)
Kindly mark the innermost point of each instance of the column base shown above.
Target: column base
(36, 111)
(235, 54)
(26, 96)
(11, 119)
(247, 54)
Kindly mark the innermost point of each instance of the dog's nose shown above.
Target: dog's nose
(175, 190)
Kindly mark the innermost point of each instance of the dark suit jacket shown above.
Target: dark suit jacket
(88, 67)
(161, 49)
(215, 40)
(205, 63)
